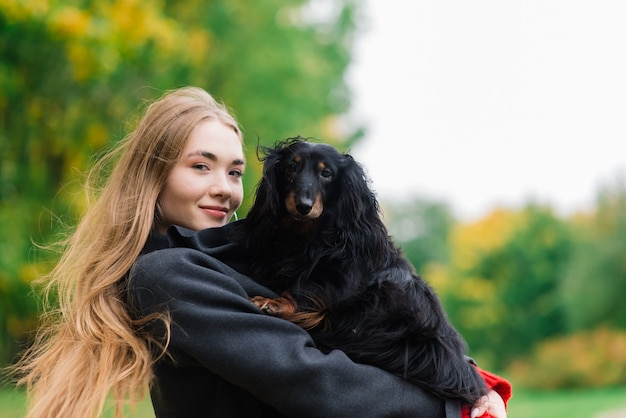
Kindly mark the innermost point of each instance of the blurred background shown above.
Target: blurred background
(493, 132)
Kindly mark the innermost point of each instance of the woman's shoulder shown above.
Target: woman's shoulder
(193, 256)
(212, 242)
(171, 262)
(207, 240)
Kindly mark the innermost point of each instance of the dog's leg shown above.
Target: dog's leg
(285, 307)
(282, 307)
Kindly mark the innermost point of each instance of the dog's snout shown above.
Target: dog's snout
(304, 206)
(305, 199)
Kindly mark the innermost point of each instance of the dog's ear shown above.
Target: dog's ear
(358, 221)
(267, 200)
(356, 199)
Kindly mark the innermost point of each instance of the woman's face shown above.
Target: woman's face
(204, 188)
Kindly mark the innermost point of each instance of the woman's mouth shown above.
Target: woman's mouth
(217, 212)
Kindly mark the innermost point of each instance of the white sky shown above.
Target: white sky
(485, 103)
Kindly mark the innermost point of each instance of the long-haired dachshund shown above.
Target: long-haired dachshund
(315, 235)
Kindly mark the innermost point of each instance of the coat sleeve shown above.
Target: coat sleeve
(215, 326)
(497, 383)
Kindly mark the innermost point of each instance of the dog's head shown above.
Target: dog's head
(305, 180)
(307, 175)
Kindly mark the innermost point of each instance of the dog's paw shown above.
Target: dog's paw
(280, 307)
(264, 304)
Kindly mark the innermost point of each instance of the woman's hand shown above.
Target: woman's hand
(492, 403)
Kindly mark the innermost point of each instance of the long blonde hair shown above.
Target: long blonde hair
(88, 346)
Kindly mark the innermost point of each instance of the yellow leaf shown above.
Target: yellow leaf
(70, 22)
(470, 240)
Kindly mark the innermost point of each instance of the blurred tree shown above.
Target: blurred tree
(591, 358)
(71, 74)
(592, 290)
(470, 299)
(421, 228)
(504, 291)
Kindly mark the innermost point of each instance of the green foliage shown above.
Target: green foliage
(503, 296)
(422, 230)
(517, 283)
(73, 73)
(525, 273)
(585, 359)
(592, 290)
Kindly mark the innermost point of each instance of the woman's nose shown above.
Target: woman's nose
(220, 187)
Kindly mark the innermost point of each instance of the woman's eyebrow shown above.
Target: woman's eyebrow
(206, 154)
(210, 156)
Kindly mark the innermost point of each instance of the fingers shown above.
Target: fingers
(492, 403)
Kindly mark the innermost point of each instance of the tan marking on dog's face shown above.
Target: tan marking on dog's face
(290, 204)
(318, 208)
(321, 166)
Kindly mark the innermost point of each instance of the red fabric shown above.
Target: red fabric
(494, 382)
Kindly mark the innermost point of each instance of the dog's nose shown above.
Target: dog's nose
(304, 206)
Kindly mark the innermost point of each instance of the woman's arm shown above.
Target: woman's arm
(276, 361)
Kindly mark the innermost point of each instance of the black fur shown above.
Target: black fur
(342, 262)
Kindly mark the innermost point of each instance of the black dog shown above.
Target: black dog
(315, 233)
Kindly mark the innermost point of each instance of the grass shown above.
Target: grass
(586, 403)
(583, 403)
(12, 405)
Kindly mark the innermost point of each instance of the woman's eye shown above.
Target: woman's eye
(201, 167)
(236, 173)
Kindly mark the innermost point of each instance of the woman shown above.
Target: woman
(180, 321)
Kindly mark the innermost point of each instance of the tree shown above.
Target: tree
(72, 74)
(505, 297)
(592, 289)
(421, 228)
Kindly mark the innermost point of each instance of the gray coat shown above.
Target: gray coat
(227, 359)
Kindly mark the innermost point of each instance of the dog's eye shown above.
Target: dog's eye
(291, 168)
(326, 173)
